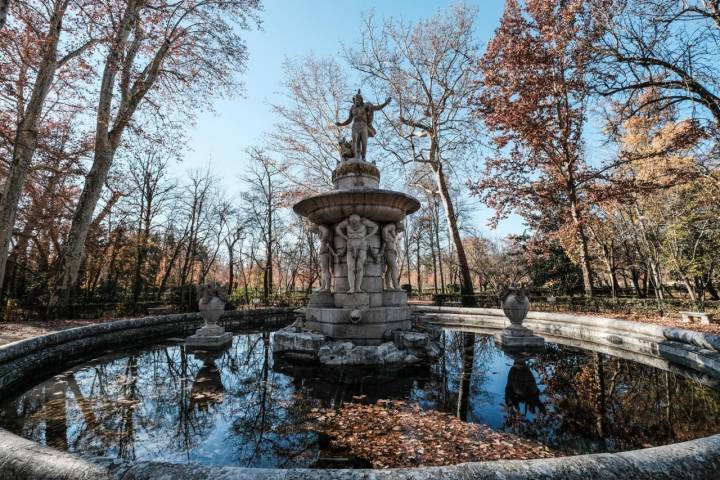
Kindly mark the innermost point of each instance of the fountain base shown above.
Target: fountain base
(398, 347)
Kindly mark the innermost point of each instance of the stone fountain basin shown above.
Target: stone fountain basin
(373, 203)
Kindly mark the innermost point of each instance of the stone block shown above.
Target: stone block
(394, 298)
(372, 284)
(321, 299)
(410, 339)
(341, 284)
(373, 269)
(520, 338)
(210, 331)
(695, 317)
(356, 301)
(305, 341)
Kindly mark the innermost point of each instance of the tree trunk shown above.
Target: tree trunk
(417, 265)
(582, 240)
(406, 238)
(106, 142)
(231, 273)
(466, 289)
(438, 249)
(434, 263)
(26, 133)
(141, 255)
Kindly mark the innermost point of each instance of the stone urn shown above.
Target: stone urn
(516, 305)
(211, 336)
(211, 305)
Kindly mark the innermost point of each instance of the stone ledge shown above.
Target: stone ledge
(693, 460)
(693, 350)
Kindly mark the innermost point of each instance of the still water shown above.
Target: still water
(244, 408)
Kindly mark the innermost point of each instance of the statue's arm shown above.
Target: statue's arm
(383, 105)
(346, 122)
(372, 226)
(339, 227)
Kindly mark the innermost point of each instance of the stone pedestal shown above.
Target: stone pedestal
(211, 337)
(519, 338)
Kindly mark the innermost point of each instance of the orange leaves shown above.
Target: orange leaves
(392, 434)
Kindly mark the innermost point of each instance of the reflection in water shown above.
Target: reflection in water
(332, 387)
(467, 356)
(521, 389)
(241, 408)
(207, 390)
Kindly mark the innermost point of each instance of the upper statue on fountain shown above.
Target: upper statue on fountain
(361, 116)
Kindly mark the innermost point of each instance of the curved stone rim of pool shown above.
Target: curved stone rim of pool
(695, 459)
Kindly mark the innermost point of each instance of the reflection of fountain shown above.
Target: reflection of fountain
(334, 386)
(207, 389)
(522, 388)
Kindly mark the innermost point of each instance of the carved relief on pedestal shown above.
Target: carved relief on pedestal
(356, 230)
(327, 257)
(389, 254)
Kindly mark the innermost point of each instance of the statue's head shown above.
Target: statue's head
(354, 220)
(358, 98)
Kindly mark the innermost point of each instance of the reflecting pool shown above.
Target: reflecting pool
(243, 407)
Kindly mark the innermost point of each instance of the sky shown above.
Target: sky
(293, 29)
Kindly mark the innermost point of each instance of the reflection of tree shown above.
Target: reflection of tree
(54, 414)
(269, 422)
(599, 403)
(468, 359)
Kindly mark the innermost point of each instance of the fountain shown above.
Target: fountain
(365, 318)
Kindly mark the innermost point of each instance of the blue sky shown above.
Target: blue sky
(292, 29)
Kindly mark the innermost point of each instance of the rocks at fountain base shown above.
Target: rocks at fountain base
(211, 337)
(519, 338)
(404, 347)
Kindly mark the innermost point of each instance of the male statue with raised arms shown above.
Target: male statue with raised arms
(361, 116)
(357, 231)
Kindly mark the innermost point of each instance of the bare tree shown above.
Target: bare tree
(668, 45)
(148, 175)
(305, 137)
(30, 110)
(264, 199)
(184, 53)
(426, 68)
